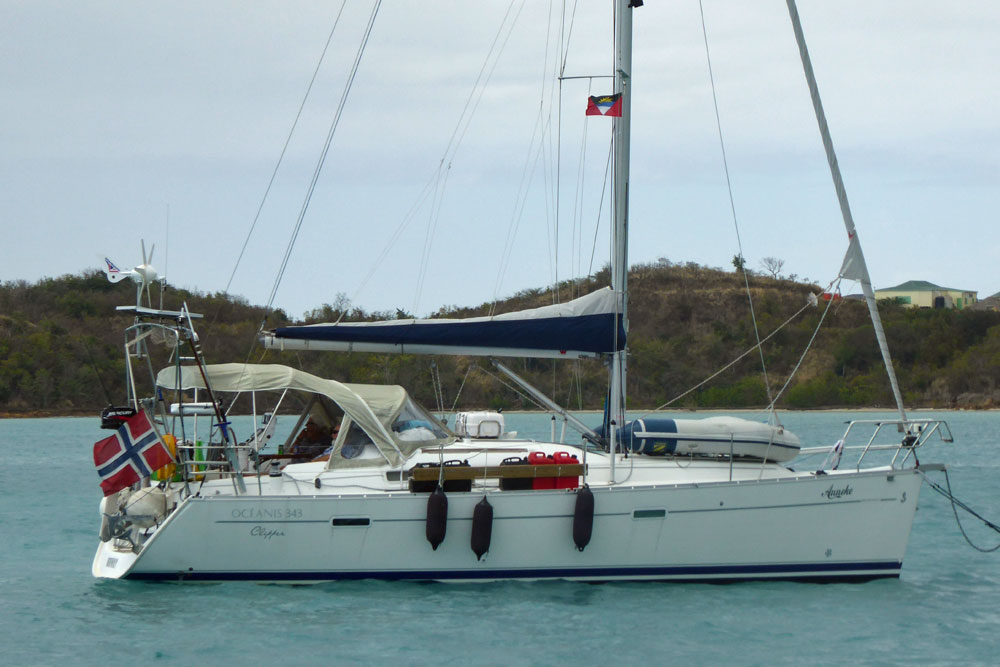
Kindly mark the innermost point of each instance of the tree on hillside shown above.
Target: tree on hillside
(739, 263)
(772, 266)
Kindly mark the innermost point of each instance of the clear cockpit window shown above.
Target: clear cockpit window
(415, 424)
(355, 442)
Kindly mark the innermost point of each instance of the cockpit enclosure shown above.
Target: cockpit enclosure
(381, 423)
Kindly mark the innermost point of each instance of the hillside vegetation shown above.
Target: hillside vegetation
(61, 347)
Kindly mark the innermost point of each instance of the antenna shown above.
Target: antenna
(166, 257)
(138, 289)
(148, 262)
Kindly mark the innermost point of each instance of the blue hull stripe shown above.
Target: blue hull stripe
(714, 573)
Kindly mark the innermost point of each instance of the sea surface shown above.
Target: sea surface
(945, 609)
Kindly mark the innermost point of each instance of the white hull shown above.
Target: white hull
(840, 526)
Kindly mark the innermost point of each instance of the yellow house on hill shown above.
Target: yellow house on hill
(922, 294)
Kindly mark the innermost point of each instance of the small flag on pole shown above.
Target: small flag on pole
(605, 105)
(130, 454)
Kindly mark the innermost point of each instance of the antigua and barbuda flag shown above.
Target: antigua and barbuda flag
(605, 105)
(133, 452)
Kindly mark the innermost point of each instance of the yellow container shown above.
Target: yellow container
(168, 471)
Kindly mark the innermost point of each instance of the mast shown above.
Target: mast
(854, 267)
(619, 257)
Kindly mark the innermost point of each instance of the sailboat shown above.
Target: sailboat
(372, 485)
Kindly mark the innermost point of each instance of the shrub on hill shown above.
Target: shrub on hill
(61, 346)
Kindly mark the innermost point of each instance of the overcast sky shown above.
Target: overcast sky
(120, 121)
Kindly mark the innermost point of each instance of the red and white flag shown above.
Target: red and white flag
(605, 105)
(132, 453)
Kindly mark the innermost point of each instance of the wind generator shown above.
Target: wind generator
(143, 275)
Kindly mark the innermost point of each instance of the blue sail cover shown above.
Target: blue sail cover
(588, 326)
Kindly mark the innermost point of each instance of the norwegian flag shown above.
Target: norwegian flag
(132, 453)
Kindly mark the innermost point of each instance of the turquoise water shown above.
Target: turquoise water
(944, 609)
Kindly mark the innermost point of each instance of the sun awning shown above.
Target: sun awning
(373, 407)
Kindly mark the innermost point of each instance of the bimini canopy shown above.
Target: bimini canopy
(384, 412)
(585, 327)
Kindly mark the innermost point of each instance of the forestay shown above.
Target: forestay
(585, 327)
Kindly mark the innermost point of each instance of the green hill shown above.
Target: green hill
(61, 347)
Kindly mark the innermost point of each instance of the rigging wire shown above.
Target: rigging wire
(432, 221)
(579, 384)
(732, 206)
(432, 224)
(732, 363)
(551, 188)
(805, 351)
(519, 204)
(456, 137)
(561, 65)
(316, 172)
(462, 386)
(166, 255)
(284, 148)
(565, 37)
(524, 396)
(577, 240)
(549, 194)
(600, 207)
(393, 238)
(569, 36)
(562, 73)
(540, 131)
(436, 386)
(451, 148)
(575, 385)
(322, 159)
(955, 503)
(465, 120)
(555, 247)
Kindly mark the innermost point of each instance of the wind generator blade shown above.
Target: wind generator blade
(143, 242)
(152, 249)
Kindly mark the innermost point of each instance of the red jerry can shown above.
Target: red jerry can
(541, 459)
(569, 481)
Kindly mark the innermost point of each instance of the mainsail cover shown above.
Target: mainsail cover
(585, 327)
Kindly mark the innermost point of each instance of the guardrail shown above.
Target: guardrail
(912, 434)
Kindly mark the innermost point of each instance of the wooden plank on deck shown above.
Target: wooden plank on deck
(494, 472)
